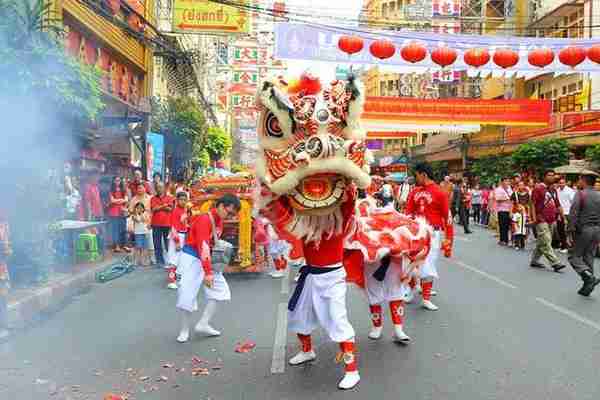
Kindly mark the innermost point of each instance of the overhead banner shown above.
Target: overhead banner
(458, 111)
(320, 43)
(208, 16)
(155, 152)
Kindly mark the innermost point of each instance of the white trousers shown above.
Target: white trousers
(192, 276)
(323, 302)
(390, 289)
(429, 270)
(173, 255)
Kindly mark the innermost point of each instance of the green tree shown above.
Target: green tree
(35, 68)
(218, 143)
(541, 155)
(440, 170)
(592, 154)
(491, 169)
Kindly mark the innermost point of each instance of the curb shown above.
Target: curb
(52, 297)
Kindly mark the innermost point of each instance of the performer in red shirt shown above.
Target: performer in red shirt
(179, 228)
(195, 268)
(428, 200)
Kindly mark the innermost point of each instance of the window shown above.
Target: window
(382, 88)
(555, 93)
(384, 10)
(564, 90)
(572, 87)
(580, 85)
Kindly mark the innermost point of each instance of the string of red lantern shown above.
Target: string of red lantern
(415, 52)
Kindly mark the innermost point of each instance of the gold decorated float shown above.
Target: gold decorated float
(239, 231)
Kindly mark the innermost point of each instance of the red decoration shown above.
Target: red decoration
(443, 56)
(73, 42)
(476, 57)
(91, 53)
(413, 52)
(541, 57)
(308, 85)
(506, 58)
(572, 56)
(114, 6)
(382, 49)
(350, 44)
(135, 22)
(594, 53)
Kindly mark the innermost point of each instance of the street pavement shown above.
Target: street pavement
(503, 331)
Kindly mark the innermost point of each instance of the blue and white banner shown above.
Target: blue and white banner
(317, 42)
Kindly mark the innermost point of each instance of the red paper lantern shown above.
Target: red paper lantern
(350, 44)
(594, 53)
(413, 52)
(540, 57)
(506, 58)
(382, 49)
(443, 56)
(572, 56)
(476, 57)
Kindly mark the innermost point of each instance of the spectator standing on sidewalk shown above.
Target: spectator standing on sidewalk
(584, 226)
(464, 206)
(565, 197)
(545, 212)
(137, 181)
(503, 207)
(477, 201)
(117, 213)
(161, 206)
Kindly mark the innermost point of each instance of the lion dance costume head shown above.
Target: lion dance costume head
(312, 149)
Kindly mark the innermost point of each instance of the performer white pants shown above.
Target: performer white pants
(192, 276)
(323, 302)
(429, 270)
(390, 289)
(173, 255)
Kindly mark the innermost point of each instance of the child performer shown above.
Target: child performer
(278, 252)
(179, 227)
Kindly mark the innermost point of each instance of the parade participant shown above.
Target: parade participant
(161, 206)
(179, 228)
(545, 212)
(312, 151)
(429, 201)
(196, 268)
(584, 226)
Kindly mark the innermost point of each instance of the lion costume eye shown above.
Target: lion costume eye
(272, 127)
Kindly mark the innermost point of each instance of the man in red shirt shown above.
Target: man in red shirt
(545, 212)
(196, 269)
(92, 201)
(428, 200)
(138, 180)
(161, 206)
(179, 228)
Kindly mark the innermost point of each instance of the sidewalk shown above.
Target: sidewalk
(26, 305)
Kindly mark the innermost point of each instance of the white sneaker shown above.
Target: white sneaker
(172, 285)
(206, 330)
(409, 297)
(184, 336)
(375, 332)
(350, 380)
(302, 358)
(428, 305)
(564, 251)
(399, 335)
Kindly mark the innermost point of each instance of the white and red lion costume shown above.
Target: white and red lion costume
(312, 157)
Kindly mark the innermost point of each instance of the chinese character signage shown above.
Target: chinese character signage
(445, 8)
(209, 16)
(446, 76)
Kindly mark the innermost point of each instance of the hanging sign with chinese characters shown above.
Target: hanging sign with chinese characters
(445, 8)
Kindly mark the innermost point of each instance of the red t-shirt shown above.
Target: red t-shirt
(133, 187)
(430, 202)
(200, 232)
(162, 217)
(115, 210)
(177, 222)
(331, 251)
(92, 200)
(546, 204)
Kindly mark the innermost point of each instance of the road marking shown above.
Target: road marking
(485, 274)
(569, 313)
(285, 282)
(278, 362)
